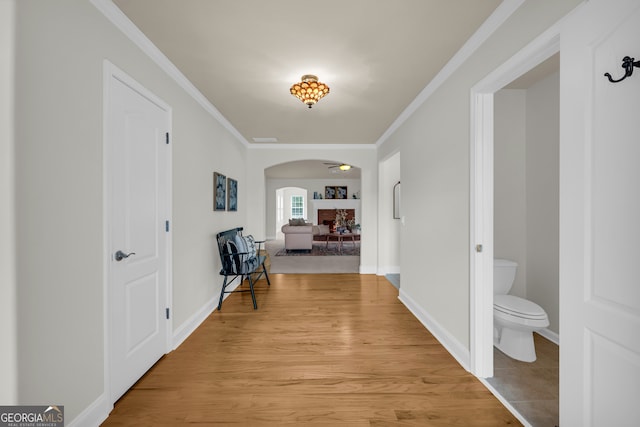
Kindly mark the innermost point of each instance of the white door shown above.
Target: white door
(600, 217)
(136, 132)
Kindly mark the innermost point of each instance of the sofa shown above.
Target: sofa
(320, 232)
(301, 237)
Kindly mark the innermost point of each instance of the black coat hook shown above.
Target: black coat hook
(627, 63)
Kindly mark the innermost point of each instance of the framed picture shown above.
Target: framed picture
(341, 192)
(219, 191)
(329, 192)
(232, 195)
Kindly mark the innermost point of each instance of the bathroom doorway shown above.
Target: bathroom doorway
(486, 126)
(526, 230)
(526, 185)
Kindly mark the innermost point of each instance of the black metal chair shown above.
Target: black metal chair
(239, 264)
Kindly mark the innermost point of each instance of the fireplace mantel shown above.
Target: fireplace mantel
(334, 204)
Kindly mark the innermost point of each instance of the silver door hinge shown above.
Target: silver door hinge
(167, 134)
(166, 226)
(167, 310)
(478, 248)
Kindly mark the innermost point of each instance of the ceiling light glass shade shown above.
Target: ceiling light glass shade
(345, 167)
(309, 90)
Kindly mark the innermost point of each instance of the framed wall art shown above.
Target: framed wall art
(335, 192)
(219, 191)
(329, 192)
(232, 195)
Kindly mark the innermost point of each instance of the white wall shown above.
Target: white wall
(543, 196)
(435, 147)
(8, 332)
(60, 50)
(510, 198)
(272, 228)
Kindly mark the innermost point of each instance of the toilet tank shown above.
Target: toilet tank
(504, 273)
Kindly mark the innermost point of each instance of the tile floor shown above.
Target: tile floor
(531, 388)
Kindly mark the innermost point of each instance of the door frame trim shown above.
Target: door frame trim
(112, 72)
(481, 193)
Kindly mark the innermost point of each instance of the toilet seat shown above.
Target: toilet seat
(518, 307)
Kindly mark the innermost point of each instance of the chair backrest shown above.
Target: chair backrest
(222, 238)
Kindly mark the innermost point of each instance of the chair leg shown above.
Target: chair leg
(253, 294)
(264, 270)
(224, 286)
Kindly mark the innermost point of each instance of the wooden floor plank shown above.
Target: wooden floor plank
(321, 350)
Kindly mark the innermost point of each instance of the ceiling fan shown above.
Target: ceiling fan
(341, 166)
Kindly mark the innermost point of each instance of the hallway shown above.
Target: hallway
(322, 349)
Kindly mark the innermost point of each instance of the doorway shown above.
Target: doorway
(137, 217)
(482, 185)
(291, 202)
(482, 247)
(526, 230)
(390, 219)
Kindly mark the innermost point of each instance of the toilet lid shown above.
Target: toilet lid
(519, 307)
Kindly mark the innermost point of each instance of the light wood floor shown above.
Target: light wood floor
(321, 350)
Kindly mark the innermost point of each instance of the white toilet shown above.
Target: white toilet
(514, 319)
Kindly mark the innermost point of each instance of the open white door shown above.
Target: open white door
(600, 217)
(137, 173)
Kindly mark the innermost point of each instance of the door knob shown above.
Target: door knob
(119, 256)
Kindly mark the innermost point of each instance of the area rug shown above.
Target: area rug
(321, 249)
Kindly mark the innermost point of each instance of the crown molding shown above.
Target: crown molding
(124, 24)
(328, 147)
(495, 20)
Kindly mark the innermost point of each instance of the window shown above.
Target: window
(297, 207)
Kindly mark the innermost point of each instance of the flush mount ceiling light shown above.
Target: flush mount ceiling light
(309, 90)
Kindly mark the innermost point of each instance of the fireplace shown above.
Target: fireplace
(324, 210)
(328, 216)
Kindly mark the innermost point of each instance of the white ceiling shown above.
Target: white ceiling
(310, 169)
(243, 55)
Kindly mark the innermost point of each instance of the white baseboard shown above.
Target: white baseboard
(550, 335)
(449, 342)
(367, 269)
(99, 410)
(388, 269)
(187, 328)
(94, 414)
